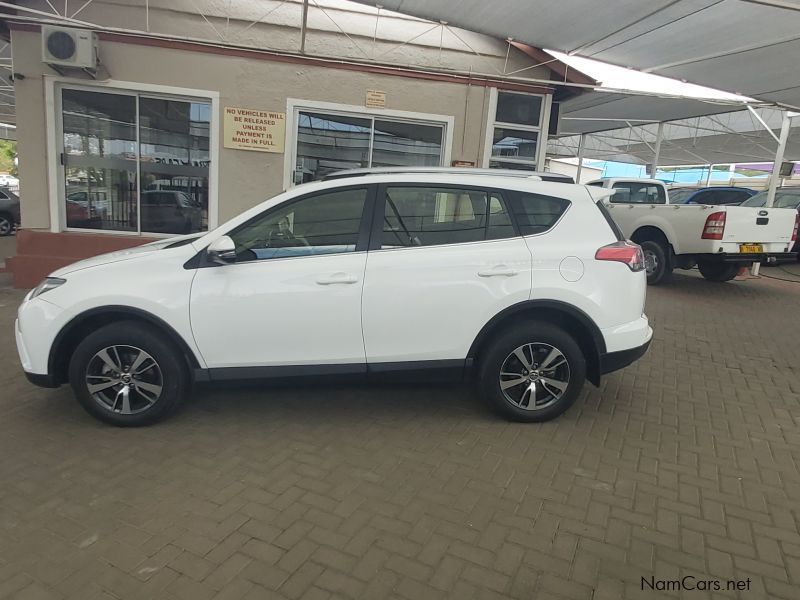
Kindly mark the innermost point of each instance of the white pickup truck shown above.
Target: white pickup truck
(718, 239)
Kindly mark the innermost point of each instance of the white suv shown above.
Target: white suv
(524, 283)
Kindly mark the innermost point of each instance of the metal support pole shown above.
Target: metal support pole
(708, 177)
(303, 24)
(657, 149)
(581, 144)
(786, 125)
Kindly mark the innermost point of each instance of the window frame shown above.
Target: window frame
(542, 130)
(294, 106)
(54, 128)
(379, 207)
(362, 241)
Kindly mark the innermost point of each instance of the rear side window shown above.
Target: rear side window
(638, 193)
(536, 213)
(433, 216)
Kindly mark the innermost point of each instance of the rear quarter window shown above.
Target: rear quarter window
(536, 213)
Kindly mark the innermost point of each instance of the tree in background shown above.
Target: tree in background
(8, 152)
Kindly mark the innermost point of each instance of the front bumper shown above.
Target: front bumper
(42, 380)
(614, 361)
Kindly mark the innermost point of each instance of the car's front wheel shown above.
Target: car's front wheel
(128, 374)
(532, 372)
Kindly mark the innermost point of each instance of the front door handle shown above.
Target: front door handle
(498, 271)
(335, 278)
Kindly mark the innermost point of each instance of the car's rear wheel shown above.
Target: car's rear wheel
(656, 262)
(128, 374)
(718, 271)
(6, 224)
(533, 372)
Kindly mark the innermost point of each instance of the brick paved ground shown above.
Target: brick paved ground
(686, 463)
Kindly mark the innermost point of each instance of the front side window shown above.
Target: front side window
(432, 216)
(326, 223)
(135, 163)
(638, 193)
(536, 213)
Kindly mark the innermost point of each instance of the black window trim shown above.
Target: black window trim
(201, 259)
(379, 208)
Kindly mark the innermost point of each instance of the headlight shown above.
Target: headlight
(47, 284)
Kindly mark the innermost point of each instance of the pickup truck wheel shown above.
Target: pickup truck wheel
(127, 374)
(533, 372)
(656, 262)
(718, 271)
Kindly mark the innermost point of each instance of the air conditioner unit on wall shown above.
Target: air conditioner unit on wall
(65, 47)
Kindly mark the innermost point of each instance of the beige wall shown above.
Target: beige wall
(245, 177)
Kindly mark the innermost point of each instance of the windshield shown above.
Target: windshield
(783, 199)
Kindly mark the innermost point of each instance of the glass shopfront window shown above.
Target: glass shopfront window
(134, 162)
(328, 142)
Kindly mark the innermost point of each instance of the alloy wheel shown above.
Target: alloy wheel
(5, 226)
(534, 376)
(650, 262)
(124, 379)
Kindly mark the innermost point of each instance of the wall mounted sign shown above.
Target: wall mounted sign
(376, 99)
(463, 163)
(250, 129)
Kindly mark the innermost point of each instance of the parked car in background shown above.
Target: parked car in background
(713, 196)
(8, 181)
(785, 197)
(166, 211)
(367, 273)
(718, 239)
(9, 212)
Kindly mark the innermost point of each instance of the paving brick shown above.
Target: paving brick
(418, 492)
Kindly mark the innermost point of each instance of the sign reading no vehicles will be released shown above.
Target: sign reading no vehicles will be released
(250, 129)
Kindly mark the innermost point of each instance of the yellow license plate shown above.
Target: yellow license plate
(751, 248)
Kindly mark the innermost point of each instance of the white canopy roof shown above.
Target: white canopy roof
(750, 47)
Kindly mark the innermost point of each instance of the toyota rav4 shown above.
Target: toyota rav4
(522, 285)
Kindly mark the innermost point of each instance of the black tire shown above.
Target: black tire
(124, 338)
(660, 270)
(540, 337)
(6, 224)
(718, 271)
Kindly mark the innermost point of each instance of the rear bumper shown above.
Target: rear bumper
(614, 361)
(742, 258)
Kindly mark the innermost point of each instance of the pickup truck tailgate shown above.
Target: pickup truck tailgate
(745, 224)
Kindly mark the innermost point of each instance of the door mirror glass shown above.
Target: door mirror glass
(222, 250)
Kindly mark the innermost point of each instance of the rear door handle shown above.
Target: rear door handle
(335, 278)
(498, 271)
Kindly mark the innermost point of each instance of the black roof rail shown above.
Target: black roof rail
(537, 175)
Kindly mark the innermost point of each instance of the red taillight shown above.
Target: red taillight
(796, 225)
(625, 252)
(715, 226)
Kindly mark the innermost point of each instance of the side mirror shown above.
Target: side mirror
(222, 251)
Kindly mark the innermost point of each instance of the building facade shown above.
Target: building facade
(178, 132)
